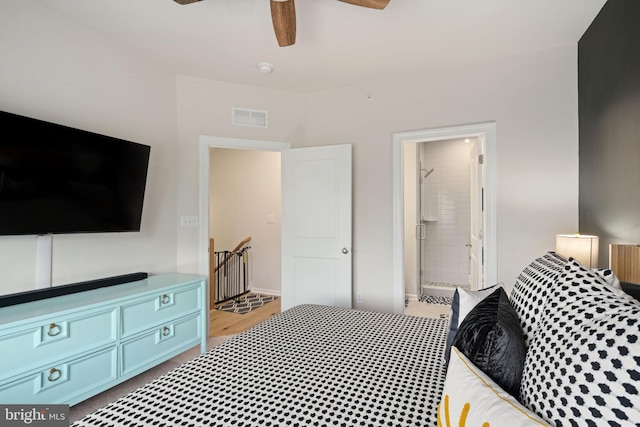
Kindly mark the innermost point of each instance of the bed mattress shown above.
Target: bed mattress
(309, 365)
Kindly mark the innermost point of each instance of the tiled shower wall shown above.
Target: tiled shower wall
(445, 212)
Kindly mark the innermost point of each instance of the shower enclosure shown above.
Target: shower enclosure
(443, 217)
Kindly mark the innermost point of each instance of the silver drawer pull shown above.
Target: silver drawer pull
(54, 375)
(54, 330)
(166, 331)
(165, 299)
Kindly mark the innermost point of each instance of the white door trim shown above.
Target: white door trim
(490, 235)
(207, 142)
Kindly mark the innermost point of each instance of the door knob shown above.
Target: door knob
(345, 251)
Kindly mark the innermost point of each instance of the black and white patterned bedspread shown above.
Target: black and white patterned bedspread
(310, 365)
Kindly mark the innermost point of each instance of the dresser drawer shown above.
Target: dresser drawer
(55, 338)
(158, 343)
(63, 382)
(68, 348)
(162, 307)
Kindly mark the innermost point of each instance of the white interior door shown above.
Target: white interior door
(316, 226)
(476, 279)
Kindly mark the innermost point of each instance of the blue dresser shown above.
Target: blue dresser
(68, 348)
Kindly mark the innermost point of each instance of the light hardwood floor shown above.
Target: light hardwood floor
(224, 323)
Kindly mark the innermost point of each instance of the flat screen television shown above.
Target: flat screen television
(56, 179)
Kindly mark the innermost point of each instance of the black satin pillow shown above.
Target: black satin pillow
(492, 339)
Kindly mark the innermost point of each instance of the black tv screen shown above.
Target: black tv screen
(56, 179)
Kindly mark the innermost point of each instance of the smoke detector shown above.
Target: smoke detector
(265, 67)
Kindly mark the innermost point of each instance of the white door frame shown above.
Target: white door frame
(490, 233)
(207, 142)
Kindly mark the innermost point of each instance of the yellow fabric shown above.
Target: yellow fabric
(462, 421)
(464, 414)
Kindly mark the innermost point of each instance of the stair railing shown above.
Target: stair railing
(219, 285)
(234, 250)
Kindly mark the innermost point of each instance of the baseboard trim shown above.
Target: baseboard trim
(265, 291)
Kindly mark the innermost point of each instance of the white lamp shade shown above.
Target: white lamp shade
(582, 247)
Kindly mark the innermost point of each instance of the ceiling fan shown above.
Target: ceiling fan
(283, 15)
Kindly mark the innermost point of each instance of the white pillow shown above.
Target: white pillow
(463, 303)
(608, 276)
(469, 299)
(470, 397)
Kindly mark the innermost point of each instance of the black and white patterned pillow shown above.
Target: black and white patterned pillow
(583, 365)
(531, 290)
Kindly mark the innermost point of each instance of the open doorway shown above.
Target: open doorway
(442, 217)
(240, 173)
(323, 172)
(440, 201)
(244, 207)
(482, 267)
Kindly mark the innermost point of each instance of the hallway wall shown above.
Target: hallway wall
(244, 200)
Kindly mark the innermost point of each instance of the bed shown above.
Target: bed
(309, 365)
(560, 349)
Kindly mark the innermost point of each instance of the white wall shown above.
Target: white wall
(533, 100)
(244, 201)
(54, 70)
(204, 108)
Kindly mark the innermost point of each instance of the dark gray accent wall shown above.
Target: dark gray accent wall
(609, 125)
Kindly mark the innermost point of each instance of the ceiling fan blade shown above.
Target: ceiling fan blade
(185, 1)
(373, 4)
(283, 15)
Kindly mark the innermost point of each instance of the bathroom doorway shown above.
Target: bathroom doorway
(482, 235)
(443, 216)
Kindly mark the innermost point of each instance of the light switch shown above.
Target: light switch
(189, 221)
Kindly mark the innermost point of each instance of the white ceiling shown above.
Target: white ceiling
(337, 44)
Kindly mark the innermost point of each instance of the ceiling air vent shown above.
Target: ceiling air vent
(246, 117)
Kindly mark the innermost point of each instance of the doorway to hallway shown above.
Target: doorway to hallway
(245, 207)
(312, 170)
